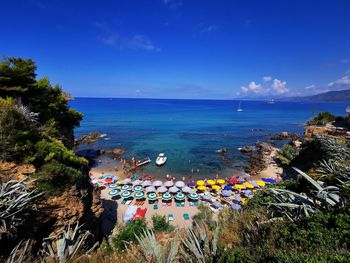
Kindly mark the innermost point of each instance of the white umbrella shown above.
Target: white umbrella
(146, 183)
(180, 184)
(168, 184)
(173, 189)
(186, 189)
(157, 183)
(137, 182)
(162, 189)
(150, 189)
(127, 180)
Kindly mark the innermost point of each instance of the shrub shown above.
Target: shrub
(322, 119)
(204, 216)
(161, 224)
(129, 233)
(287, 153)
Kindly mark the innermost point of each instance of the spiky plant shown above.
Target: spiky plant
(15, 202)
(27, 113)
(151, 251)
(198, 246)
(70, 243)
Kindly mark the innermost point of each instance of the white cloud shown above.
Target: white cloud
(267, 79)
(310, 87)
(342, 83)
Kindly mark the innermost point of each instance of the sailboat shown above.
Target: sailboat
(239, 107)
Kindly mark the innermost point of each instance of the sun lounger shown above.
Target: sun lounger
(183, 204)
(170, 217)
(195, 203)
(178, 204)
(128, 202)
(186, 216)
(123, 201)
(155, 207)
(169, 204)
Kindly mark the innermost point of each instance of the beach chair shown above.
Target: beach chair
(183, 204)
(123, 201)
(128, 202)
(195, 203)
(155, 207)
(186, 216)
(178, 204)
(170, 217)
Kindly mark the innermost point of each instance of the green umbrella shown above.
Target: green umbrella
(139, 195)
(167, 197)
(193, 196)
(114, 192)
(180, 196)
(138, 188)
(126, 187)
(113, 186)
(152, 196)
(126, 194)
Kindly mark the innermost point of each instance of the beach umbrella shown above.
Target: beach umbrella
(113, 186)
(120, 182)
(167, 197)
(126, 194)
(108, 176)
(139, 195)
(201, 188)
(237, 198)
(180, 196)
(137, 182)
(239, 186)
(114, 192)
(260, 183)
(186, 189)
(150, 189)
(206, 198)
(157, 183)
(200, 182)
(146, 183)
(191, 184)
(236, 206)
(255, 184)
(109, 180)
(211, 182)
(127, 180)
(152, 196)
(247, 192)
(216, 187)
(138, 188)
(162, 189)
(216, 205)
(168, 183)
(180, 184)
(233, 181)
(126, 187)
(115, 178)
(173, 189)
(269, 180)
(228, 187)
(248, 185)
(220, 181)
(193, 196)
(226, 193)
(241, 180)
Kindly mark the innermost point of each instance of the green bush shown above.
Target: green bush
(161, 224)
(322, 119)
(129, 233)
(287, 153)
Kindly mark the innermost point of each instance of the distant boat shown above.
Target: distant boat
(161, 159)
(271, 101)
(239, 107)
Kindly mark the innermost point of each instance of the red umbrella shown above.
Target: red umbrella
(109, 180)
(233, 181)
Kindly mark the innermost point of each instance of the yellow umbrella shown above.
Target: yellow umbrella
(201, 188)
(260, 183)
(239, 186)
(248, 185)
(244, 201)
(211, 182)
(216, 187)
(200, 182)
(220, 181)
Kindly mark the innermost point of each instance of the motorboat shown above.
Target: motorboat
(271, 101)
(239, 107)
(161, 159)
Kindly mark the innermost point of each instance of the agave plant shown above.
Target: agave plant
(198, 246)
(69, 243)
(27, 113)
(152, 251)
(15, 199)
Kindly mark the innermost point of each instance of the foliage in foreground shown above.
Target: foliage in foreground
(322, 119)
(161, 224)
(286, 154)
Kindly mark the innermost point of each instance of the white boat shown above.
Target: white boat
(271, 101)
(161, 159)
(239, 107)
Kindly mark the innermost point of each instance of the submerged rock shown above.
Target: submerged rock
(89, 138)
(118, 151)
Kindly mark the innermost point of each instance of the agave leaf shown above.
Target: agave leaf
(307, 177)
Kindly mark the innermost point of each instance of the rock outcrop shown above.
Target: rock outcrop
(89, 138)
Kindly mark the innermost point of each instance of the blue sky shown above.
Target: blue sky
(216, 49)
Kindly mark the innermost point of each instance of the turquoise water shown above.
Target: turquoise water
(190, 132)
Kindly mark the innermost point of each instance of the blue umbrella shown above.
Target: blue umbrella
(236, 207)
(191, 184)
(226, 193)
(268, 180)
(238, 198)
(255, 184)
(247, 192)
(241, 179)
(206, 198)
(228, 187)
(216, 205)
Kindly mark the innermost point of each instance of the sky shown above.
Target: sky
(183, 49)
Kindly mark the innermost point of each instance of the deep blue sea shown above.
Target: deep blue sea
(190, 132)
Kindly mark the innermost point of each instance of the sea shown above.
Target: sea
(190, 132)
